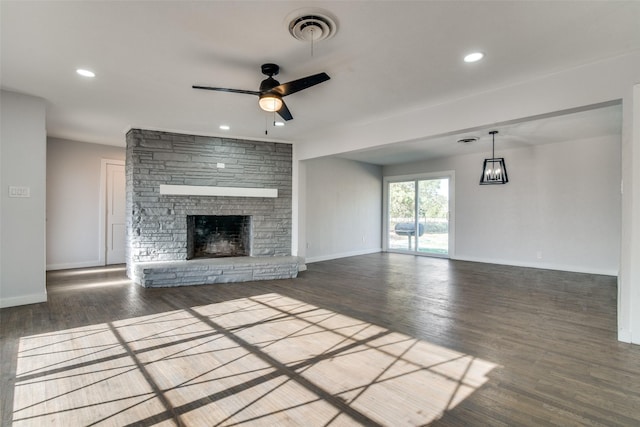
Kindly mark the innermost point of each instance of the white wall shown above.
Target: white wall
(22, 220)
(343, 208)
(73, 202)
(562, 203)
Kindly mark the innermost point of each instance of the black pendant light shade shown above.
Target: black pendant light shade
(494, 170)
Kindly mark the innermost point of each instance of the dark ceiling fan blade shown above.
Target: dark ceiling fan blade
(224, 89)
(297, 85)
(284, 112)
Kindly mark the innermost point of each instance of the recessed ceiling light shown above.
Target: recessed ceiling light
(225, 127)
(474, 57)
(85, 73)
(278, 123)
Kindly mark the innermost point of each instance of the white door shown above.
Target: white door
(116, 199)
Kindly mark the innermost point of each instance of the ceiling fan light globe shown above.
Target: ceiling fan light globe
(270, 102)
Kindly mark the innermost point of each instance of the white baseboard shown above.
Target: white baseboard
(541, 265)
(69, 265)
(624, 335)
(23, 300)
(342, 255)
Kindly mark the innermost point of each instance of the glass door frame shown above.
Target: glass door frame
(387, 180)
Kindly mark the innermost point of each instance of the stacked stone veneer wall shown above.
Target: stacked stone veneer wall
(157, 224)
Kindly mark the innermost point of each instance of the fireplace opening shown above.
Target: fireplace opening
(217, 236)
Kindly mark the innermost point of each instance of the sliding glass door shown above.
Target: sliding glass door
(418, 213)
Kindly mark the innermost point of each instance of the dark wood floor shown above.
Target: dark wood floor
(542, 344)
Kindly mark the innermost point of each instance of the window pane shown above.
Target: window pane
(433, 214)
(402, 215)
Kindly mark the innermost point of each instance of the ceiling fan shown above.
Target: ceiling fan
(271, 91)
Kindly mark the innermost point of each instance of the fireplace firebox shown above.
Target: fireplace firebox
(217, 236)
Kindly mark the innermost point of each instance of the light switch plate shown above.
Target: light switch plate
(16, 191)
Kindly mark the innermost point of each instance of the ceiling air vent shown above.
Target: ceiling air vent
(468, 140)
(311, 25)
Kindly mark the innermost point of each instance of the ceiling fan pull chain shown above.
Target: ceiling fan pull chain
(312, 42)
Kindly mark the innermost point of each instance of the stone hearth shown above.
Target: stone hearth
(205, 271)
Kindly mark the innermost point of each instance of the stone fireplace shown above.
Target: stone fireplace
(176, 183)
(217, 236)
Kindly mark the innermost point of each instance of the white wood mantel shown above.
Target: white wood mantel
(202, 190)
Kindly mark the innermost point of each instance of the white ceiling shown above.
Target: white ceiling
(387, 56)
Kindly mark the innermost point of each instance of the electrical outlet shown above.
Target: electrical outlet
(308, 245)
(539, 254)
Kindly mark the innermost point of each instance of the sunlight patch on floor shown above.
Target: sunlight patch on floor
(264, 360)
(91, 284)
(89, 271)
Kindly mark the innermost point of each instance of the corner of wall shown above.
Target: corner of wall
(23, 164)
(23, 300)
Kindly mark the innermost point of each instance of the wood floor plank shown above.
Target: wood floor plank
(380, 339)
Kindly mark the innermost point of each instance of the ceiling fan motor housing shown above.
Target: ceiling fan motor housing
(268, 84)
(270, 69)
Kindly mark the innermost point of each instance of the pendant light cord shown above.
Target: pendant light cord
(493, 144)
(493, 147)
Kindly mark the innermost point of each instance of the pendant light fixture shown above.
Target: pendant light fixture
(494, 171)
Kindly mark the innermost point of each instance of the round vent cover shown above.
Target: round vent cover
(311, 25)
